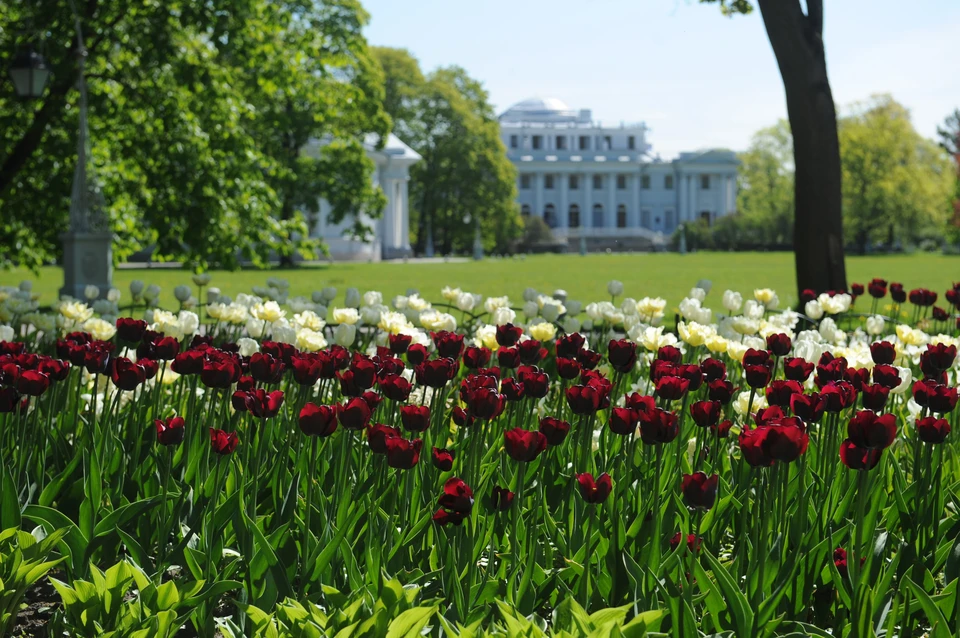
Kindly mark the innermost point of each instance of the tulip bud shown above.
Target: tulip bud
(91, 292)
(345, 334)
(615, 287)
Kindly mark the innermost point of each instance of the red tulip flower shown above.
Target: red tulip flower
(796, 369)
(443, 459)
(699, 490)
(567, 368)
(883, 352)
(449, 344)
(377, 436)
(536, 383)
(658, 427)
(354, 414)
(263, 405)
(170, 431)
(399, 343)
(713, 369)
(508, 335)
(568, 346)
(395, 387)
(672, 388)
(779, 392)
(436, 373)
(403, 454)
(859, 458)
(583, 399)
(531, 352)
(705, 413)
(131, 330)
(623, 421)
(867, 429)
(721, 390)
(456, 502)
(779, 344)
(265, 369)
(126, 374)
(932, 430)
(223, 443)
(318, 420)
(476, 357)
(595, 491)
(501, 499)
(32, 383)
(524, 445)
(415, 418)
(554, 429)
(693, 543)
(622, 355)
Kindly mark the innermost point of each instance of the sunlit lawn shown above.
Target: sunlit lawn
(666, 274)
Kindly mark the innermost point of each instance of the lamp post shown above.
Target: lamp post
(87, 244)
(477, 241)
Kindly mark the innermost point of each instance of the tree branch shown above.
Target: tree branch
(815, 16)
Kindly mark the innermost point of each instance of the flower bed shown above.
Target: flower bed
(293, 466)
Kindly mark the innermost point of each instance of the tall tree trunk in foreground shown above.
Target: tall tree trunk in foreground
(797, 41)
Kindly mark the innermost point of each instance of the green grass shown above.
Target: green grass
(666, 275)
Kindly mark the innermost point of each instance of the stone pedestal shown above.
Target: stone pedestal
(87, 259)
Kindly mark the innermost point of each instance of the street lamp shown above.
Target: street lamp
(29, 74)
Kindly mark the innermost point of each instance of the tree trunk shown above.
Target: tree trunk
(797, 42)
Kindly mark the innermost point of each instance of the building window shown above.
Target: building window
(705, 216)
(668, 182)
(550, 215)
(631, 142)
(645, 182)
(668, 219)
(621, 182)
(525, 210)
(621, 216)
(561, 142)
(537, 142)
(598, 181)
(514, 141)
(645, 217)
(607, 142)
(574, 182)
(548, 182)
(584, 142)
(525, 181)
(573, 219)
(705, 182)
(598, 215)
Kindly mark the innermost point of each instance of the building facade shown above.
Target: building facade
(391, 236)
(603, 184)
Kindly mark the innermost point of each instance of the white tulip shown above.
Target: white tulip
(91, 292)
(26, 285)
(573, 307)
(531, 309)
(213, 295)
(813, 309)
(732, 300)
(550, 311)
(248, 346)
(698, 293)
(530, 294)
(328, 294)
(6, 333)
(465, 301)
(543, 331)
(343, 315)
(615, 287)
(201, 278)
(372, 298)
(345, 334)
(351, 298)
(503, 316)
(875, 325)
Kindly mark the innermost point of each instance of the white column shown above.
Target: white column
(563, 212)
(692, 202)
(538, 194)
(386, 223)
(611, 217)
(680, 184)
(731, 193)
(635, 215)
(586, 213)
(724, 196)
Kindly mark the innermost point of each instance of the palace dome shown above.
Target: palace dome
(548, 109)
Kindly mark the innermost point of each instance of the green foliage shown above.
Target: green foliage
(896, 183)
(198, 117)
(465, 174)
(23, 561)
(765, 197)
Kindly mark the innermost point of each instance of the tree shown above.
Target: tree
(765, 200)
(465, 175)
(897, 184)
(797, 41)
(198, 113)
(949, 136)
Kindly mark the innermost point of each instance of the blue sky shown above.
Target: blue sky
(696, 78)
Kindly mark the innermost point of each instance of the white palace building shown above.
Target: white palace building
(602, 183)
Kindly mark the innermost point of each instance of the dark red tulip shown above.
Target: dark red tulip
(220, 373)
(713, 369)
(588, 359)
(96, 360)
(877, 288)
(771, 415)
(669, 353)
(436, 373)
(512, 389)
(568, 346)
(508, 357)
(126, 374)
(567, 368)
(508, 335)
(897, 293)
(699, 490)
(443, 459)
(595, 491)
(354, 414)
(883, 352)
(448, 344)
(757, 376)
(415, 418)
(223, 443)
(554, 429)
(807, 294)
(56, 369)
(859, 458)
(622, 355)
(623, 421)
(12, 347)
(886, 375)
(722, 429)
(809, 407)
(262, 404)
(923, 297)
(9, 400)
(474, 357)
(188, 362)
(856, 290)
(318, 420)
(461, 418)
(754, 357)
(286, 352)
(940, 355)
(308, 368)
(705, 413)
(264, 368)
(874, 397)
(130, 330)
(399, 343)
(170, 431)
(693, 543)
(403, 454)
(34, 383)
(501, 499)
(416, 354)
(456, 502)
(779, 344)
(531, 352)
(720, 390)
(796, 369)
(164, 349)
(486, 403)
(377, 436)
(640, 403)
(364, 371)
(372, 398)
(395, 387)
(658, 426)
(837, 396)
(672, 388)
(524, 445)
(536, 383)
(785, 443)
(867, 429)
(779, 392)
(753, 448)
(583, 399)
(936, 397)
(932, 430)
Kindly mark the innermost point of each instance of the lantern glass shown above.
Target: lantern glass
(29, 74)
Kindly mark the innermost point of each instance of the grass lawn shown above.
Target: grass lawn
(667, 275)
